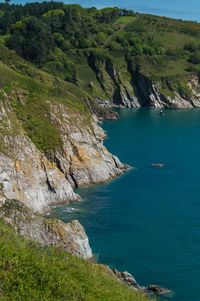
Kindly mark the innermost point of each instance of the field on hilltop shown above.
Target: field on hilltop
(81, 45)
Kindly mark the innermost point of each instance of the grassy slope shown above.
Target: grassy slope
(166, 38)
(170, 36)
(158, 44)
(29, 272)
(31, 92)
(161, 42)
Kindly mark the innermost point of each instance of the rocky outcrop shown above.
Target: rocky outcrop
(164, 95)
(27, 175)
(127, 86)
(70, 236)
(128, 279)
(31, 178)
(84, 159)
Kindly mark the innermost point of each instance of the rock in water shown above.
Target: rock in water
(156, 289)
(129, 280)
(158, 165)
(126, 278)
(70, 236)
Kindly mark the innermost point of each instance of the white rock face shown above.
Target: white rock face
(149, 94)
(31, 178)
(48, 232)
(27, 175)
(78, 239)
(84, 159)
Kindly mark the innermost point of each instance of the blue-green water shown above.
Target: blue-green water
(148, 221)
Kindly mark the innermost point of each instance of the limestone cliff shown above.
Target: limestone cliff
(26, 174)
(84, 159)
(70, 236)
(125, 83)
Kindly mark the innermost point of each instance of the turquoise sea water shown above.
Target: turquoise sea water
(148, 221)
(183, 9)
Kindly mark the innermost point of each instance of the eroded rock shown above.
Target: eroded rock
(128, 279)
(70, 236)
(157, 290)
(27, 175)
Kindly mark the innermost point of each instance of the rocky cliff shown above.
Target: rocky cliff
(71, 236)
(29, 175)
(124, 83)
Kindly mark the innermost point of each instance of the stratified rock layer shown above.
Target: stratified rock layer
(27, 175)
(70, 236)
(128, 85)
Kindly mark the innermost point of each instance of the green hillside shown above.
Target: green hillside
(31, 93)
(30, 272)
(88, 46)
(54, 55)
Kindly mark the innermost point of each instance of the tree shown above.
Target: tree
(33, 41)
(195, 58)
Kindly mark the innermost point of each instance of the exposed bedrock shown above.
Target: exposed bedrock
(126, 85)
(129, 280)
(71, 236)
(27, 175)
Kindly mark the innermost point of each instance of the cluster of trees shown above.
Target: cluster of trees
(55, 36)
(194, 50)
(37, 29)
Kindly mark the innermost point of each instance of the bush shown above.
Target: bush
(192, 47)
(195, 58)
(121, 40)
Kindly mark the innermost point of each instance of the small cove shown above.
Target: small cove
(148, 221)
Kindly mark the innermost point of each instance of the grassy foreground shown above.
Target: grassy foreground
(30, 272)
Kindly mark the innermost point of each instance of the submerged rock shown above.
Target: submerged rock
(158, 165)
(70, 236)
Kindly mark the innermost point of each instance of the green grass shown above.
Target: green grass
(32, 92)
(30, 272)
(124, 20)
(156, 44)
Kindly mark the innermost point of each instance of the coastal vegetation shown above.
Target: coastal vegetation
(31, 272)
(59, 65)
(81, 45)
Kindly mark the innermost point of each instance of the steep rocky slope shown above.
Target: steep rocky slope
(47, 232)
(113, 55)
(124, 82)
(29, 271)
(49, 144)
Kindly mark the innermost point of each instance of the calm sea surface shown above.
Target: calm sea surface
(148, 221)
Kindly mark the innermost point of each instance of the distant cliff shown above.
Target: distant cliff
(127, 85)
(114, 55)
